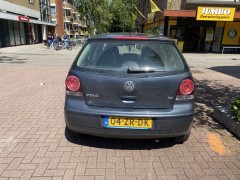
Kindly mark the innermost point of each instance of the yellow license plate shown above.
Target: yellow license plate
(128, 122)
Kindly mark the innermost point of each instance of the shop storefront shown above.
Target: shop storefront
(154, 28)
(20, 30)
(206, 30)
(15, 33)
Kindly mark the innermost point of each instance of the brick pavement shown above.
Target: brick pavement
(33, 143)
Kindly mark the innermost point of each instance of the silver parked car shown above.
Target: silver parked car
(130, 86)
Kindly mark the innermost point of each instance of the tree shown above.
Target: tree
(121, 11)
(106, 15)
(96, 13)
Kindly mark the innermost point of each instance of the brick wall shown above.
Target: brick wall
(59, 15)
(26, 4)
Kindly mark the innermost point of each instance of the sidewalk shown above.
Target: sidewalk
(37, 55)
(35, 49)
(34, 145)
(212, 60)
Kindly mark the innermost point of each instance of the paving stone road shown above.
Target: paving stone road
(34, 145)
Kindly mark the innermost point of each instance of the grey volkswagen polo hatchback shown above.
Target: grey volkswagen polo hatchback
(130, 86)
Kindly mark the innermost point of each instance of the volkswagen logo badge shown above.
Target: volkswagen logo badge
(129, 86)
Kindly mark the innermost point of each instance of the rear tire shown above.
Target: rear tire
(182, 139)
(72, 134)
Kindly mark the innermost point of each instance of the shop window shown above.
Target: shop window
(36, 38)
(22, 33)
(16, 33)
(11, 33)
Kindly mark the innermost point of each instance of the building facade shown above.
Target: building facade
(67, 19)
(199, 25)
(24, 22)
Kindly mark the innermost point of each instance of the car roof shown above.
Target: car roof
(130, 36)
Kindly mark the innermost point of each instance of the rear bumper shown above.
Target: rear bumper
(162, 126)
(86, 119)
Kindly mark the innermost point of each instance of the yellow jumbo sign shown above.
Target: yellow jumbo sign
(215, 14)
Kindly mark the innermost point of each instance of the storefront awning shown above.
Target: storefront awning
(188, 13)
(14, 17)
(180, 13)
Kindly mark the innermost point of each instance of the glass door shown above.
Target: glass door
(16, 33)
(11, 33)
(22, 33)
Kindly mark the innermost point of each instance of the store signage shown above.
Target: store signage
(23, 18)
(150, 17)
(231, 33)
(215, 14)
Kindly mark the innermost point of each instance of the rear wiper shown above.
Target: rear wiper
(145, 70)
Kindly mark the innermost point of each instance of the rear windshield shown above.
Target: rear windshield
(115, 56)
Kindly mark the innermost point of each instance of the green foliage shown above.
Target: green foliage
(107, 16)
(235, 109)
(97, 14)
(121, 11)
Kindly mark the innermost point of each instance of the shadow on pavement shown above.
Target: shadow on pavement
(11, 59)
(120, 144)
(233, 71)
(207, 95)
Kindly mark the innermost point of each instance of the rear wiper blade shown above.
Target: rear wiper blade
(145, 70)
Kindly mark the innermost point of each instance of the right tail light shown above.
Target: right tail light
(186, 89)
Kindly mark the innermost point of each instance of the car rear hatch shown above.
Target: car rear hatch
(130, 73)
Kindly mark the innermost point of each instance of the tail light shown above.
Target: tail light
(73, 86)
(186, 89)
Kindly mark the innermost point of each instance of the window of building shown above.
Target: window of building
(53, 9)
(67, 13)
(45, 10)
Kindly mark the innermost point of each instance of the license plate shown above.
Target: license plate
(127, 122)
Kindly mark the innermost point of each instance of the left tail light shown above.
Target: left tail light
(73, 86)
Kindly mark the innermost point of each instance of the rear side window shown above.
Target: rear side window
(117, 56)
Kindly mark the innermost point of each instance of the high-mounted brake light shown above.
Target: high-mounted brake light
(73, 86)
(186, 89)
(130, 37)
